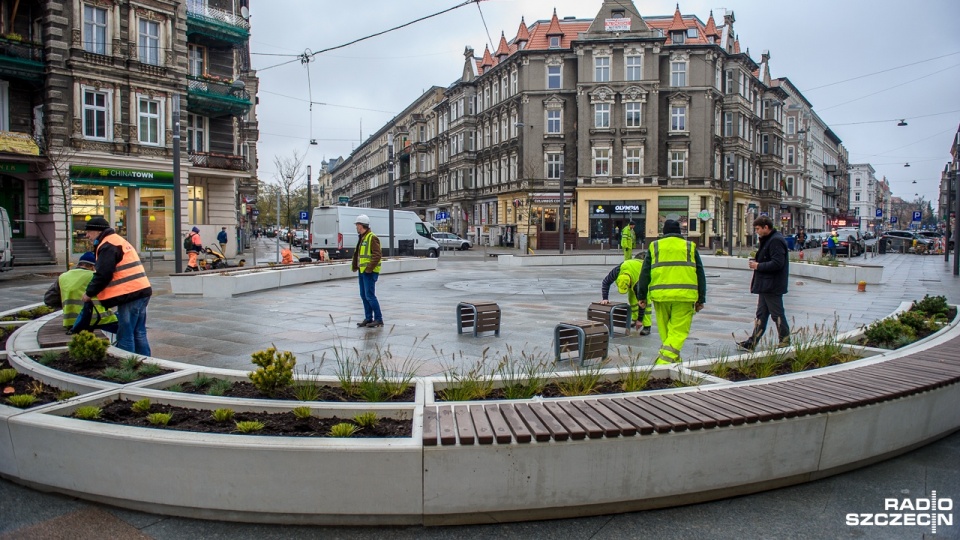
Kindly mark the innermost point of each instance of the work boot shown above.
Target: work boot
(365, 322)
(375, 324)
(645, 331)
(785, 342)
(745, 346)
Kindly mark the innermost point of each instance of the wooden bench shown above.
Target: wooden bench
(612, 315)
(53, 334)
(590, 339)
(710, 408)
(482, 316)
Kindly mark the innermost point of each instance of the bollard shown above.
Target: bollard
(862, 286)
(801, 254)
(151, 259)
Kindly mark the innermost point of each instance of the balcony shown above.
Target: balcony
(219, 161)
(21, 60)
(211, 98)
(770, 194)
(796, 201)
(830, 190)
(216, 24)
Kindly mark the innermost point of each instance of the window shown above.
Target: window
(676, 37)
(678, 118)
(764, 144)
(513, 83)
(633, 161)
(728, 124)
(94, 29)
(96, 113)
(195, 203)
(728, 82)
(601, 162)
(634, 68)
(554, 42)
(553, 77)
(149, 125)
(554, 125)
(633, 113)
(789, 185)
(601, 69)
(857, 194)
(678, 74)
(554, 166)
(790, 155)
(601, 115)
(857, 182)
(791, 125)
(196, 57)
(196, 133)
(149, 42)
(678, 160)
(692, 33)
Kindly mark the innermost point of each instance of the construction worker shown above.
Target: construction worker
(627, 239)
(67, 290)
(672, 277)
(194, 247)
(286, 256)
(626, 275)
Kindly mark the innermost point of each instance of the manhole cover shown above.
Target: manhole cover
(526, 286)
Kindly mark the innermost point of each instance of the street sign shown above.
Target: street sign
(704, 215)
(764, 213)
(893, 219)
(304, 218)
(441, 216)
(879, 212)
(255, 212)
(916, 215)
(344, 199)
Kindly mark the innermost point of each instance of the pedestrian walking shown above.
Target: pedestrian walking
(66, 293)
(771, 270)
(194, 247)
(119, 280)
(801, 240)
(366, 262)
(832, 242)
(672, 277)
(626, 275)
(222, 240)
(627, 239)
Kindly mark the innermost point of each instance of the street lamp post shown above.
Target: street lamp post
(956, 228)
(730, 178)
(562, 208)
(390, 176)
(177, 218)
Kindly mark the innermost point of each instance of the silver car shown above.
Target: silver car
(451, 241)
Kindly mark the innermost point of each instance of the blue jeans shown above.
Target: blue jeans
(132, 327)
(368, 294)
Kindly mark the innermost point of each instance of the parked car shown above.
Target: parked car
(935, 235)
(815, 239)
(299, 238)
(902, 241)
(451, 241)
(851, 243)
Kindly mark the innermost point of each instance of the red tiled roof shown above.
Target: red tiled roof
(668, 25)
(503, 48)
(539, 33)
(487, 59)
(677, 23)
(522, 33)
(554, 25)
(711, 28)
(736, 46)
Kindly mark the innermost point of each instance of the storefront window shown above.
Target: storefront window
(195, 203)
(676, 208)
(608, 218)
(88, 202)
(156, 219)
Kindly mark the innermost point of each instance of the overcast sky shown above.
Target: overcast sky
(815, 43)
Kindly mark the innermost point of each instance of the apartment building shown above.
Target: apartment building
(863, 195)
(91, 89)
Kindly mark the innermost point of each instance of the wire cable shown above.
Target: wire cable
(890, 88)
(894, 119)
(484, 20)
(879, 72)
(325, 104)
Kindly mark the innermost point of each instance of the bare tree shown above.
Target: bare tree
(288, 172)
(58, 161)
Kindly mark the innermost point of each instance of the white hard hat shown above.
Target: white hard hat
(362, 219)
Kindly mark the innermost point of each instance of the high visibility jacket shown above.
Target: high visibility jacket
(128, 276)
(628, 238)
(287, 256)
(673, 271)
(72, 286)
(365, 253)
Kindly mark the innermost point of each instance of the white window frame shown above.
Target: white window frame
(678, 118)
(633, 114)
(554, 163)
(791, 125)
(554, 121)
(554, 42)
(196, 58)
(728, 124)
(514, 85)
(633, 161)
(150, 117)
(90, 43)
(601, 69)
(601, 161)
(107, 109)
(193, 128)
(149, 45)
(791, 158)
(558, 76)
(633, 67)
(678, 74)
(601, 115)
(678, 163)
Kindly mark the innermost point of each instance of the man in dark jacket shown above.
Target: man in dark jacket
(771, 269)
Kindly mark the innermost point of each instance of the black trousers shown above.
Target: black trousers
(770, 306)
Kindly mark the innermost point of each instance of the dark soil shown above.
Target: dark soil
(951, 315)
(243, 389)
(64, 362)
(28, 314)
(5, 332)
(784, 368)
(24, 384)
(285, 424)
(552, 390)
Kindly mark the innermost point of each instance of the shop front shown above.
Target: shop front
(608, 218)
(138, 204)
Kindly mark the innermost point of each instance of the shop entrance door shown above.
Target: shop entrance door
(11, 198)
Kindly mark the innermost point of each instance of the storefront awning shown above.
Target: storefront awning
(106, 176)
(18, 143)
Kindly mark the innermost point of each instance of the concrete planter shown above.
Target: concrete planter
(232, 282)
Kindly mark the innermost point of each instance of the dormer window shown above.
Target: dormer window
(692, 33)
(554, 42)
(617, 14)
(676, 37)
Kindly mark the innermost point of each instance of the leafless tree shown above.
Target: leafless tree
(288, 172)
(58, 161)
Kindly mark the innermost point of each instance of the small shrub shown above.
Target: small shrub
(130, 363)
(523, 377)
(201, 381)
(222, 415)
(307, 388)
(465, 385)
(932, 305)
(86, 348)
(275, 372)
(584, 380)
(302, 412)
(36, 388)
(367, 419)
(7, 375)
(219, 387)
(111, 373)
(175, 388)
(21, 401)
(250, 426)
(159, 418)
(141, 407)
(47, 358)
(87, 412)
(120, 375)
(634, 377)
(888, 331)
(343, 429)
(149, 370)
(916, 320)
(64, 395)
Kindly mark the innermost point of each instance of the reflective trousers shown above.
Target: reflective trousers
(673, 324)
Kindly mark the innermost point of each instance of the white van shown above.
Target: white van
(333, 229)
(6, 242)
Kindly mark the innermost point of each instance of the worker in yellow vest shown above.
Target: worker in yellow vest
(366, 262)
(67, 291)
(672, 277)
(628, 238)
